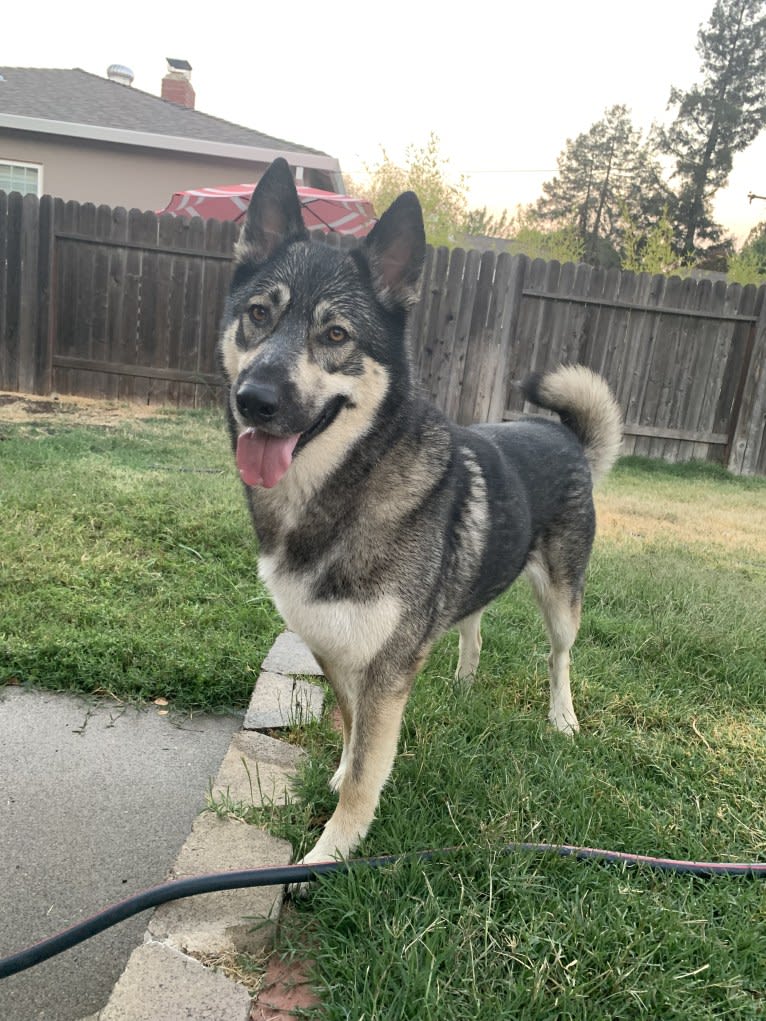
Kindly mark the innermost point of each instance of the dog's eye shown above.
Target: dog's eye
(337, 334)
(258, 313)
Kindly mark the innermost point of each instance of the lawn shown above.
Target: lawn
(127, 559)
(128, 566)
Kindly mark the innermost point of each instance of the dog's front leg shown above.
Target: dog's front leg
(369, 754)
(346, 718)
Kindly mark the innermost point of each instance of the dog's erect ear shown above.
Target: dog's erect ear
(395, 249)
(273, 216)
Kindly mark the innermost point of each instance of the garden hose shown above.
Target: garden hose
(288, 874)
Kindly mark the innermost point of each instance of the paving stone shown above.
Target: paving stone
(281, 701)
(268, 749)
(290, 655)
(160, 983)
(287, 990)
(257, 770)
(231, 921)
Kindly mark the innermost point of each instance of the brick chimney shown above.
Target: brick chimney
(176, 85)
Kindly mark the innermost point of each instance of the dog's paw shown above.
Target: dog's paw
(464, 679)
(564, 722)
(296, 890)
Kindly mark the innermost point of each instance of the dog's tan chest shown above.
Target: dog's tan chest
(345, 632)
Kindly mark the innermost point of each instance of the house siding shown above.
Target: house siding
(119, 175)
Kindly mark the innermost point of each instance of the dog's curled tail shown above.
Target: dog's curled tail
(586, 405)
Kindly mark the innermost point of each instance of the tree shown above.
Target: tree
(719, 117)
(652, 251)
(485, 224)
(446, 213)
(445, 203)
(748, 265)
(605, 175)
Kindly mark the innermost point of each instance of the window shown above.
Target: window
(24, 177)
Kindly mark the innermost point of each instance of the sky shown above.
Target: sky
(503, 84)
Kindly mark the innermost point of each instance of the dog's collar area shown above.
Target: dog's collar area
(328, 416)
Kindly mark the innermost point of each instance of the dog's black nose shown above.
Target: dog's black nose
(257, 402)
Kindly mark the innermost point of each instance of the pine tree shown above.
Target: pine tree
(719, 117)
(606, 176)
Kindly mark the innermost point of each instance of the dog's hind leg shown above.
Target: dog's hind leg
(560, 603)
(469, 649)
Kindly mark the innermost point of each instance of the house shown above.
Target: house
(78, 136)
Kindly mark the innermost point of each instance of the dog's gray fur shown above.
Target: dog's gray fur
(381, 523)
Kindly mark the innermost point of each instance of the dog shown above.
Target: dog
(381, 523)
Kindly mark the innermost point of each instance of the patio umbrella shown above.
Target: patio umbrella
(340, 214)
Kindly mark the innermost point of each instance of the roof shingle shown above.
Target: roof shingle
(79, 97)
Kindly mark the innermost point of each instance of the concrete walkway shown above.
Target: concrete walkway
(99, 801)
(95, 801)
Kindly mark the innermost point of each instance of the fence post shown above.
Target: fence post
(749, 429)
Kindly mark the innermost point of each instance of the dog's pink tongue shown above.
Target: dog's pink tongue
(262, 459)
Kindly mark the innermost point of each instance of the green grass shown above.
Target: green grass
(128, 562)
(123, 572)
(670, 686)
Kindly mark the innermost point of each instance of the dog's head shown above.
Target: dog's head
(313, 338)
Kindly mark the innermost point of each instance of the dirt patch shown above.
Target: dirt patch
(734, 521)
(19, 407)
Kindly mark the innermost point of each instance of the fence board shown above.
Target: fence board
(100, 299)
(66, 290)
(699, 341)
(727, 391)
(13, 292)
(743, 343)
(117, 257)
(177, 230)
(490, 368)
(28, 303)
(748, 449)
(712, 350)
(432, 343)
(7, 380)
(192, 312)
(503, 370)
(598, 349)
(474, 354)
(660, 378)
(85, 295)
(640, 335)
(449, 379)
(462, 333)
(42, 296)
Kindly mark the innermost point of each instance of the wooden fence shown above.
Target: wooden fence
(108, 303)
(686, 358)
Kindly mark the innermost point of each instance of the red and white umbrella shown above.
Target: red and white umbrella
(340, 214)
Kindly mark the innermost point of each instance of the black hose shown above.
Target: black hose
(289, 874)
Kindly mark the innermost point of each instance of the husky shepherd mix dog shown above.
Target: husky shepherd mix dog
(381, 523)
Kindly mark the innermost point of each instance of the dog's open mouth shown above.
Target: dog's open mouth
(263, 459)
